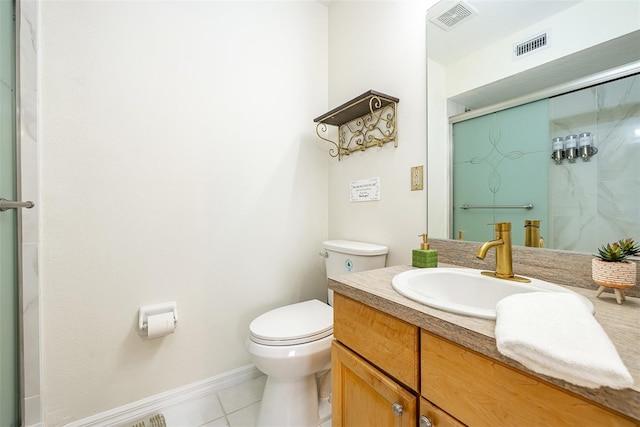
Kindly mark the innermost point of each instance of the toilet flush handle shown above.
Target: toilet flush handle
(323, 254)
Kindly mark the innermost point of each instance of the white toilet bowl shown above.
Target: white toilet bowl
(291, 345)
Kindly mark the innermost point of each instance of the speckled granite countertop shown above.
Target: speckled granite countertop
(621, 322)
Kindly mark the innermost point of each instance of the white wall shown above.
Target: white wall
(439, 152)
(178, 162)
(585, 25)
(380, 46)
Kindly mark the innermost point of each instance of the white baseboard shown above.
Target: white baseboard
(154, 404)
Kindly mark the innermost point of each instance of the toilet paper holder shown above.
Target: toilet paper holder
(151, 310)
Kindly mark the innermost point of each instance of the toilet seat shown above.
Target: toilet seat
(298, 323)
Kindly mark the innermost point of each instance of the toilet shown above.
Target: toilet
(292, 344)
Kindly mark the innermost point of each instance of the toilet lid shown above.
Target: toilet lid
(355, 248)
(293, 324)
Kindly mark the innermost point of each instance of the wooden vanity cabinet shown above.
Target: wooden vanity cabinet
(480, 391)
(374, 367)
(387, 372)
(375, 363)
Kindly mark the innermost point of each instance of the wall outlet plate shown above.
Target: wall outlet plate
(417, 178)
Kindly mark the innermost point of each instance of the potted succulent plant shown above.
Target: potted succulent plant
(612, 269)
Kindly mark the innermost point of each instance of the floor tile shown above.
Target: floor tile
(242, 395)
(247, 417)
(195, 412)
(220, 422)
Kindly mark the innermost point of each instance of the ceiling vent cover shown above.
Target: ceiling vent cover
(454, 16)
(533, 44)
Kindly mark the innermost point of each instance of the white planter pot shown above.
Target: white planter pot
(616, 275)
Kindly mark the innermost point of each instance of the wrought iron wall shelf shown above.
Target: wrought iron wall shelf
(368, 120)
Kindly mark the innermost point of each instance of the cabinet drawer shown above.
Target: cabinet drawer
(483, 392)
(436, 416)
(389, 343)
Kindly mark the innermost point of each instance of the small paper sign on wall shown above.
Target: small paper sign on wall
(365, 190)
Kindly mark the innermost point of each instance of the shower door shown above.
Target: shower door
(500, 165)
(9, 377)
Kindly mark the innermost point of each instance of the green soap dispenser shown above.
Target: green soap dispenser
(424, 257)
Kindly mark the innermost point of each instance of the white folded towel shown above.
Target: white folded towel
(555, 334)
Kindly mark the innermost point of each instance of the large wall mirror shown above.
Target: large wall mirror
(505, 79)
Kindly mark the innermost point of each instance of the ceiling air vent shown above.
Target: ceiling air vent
(454, 16)
(533, 44)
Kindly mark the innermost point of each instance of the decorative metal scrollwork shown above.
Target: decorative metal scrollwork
(321, 129)
(372, 129)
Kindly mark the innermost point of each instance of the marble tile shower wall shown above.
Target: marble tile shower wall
(28, 27)
(595, 202)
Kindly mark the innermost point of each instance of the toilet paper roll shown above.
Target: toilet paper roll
(160, 325)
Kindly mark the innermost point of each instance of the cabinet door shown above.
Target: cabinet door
(432, 416)
(364, 396)
(482, 392)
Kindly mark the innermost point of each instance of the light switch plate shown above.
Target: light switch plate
(417, 178)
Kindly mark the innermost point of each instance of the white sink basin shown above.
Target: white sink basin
(466, 291)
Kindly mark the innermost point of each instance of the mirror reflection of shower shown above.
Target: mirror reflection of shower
(471, 71)
(502, 159)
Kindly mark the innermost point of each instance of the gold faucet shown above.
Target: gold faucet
(532, 233)
(502, 243)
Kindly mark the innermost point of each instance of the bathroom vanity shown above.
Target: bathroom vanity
(399, 363)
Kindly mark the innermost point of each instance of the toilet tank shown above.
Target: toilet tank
(346, 256)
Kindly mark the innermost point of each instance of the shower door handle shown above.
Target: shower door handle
(9, 204)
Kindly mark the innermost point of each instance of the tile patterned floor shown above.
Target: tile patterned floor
(237, 406)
